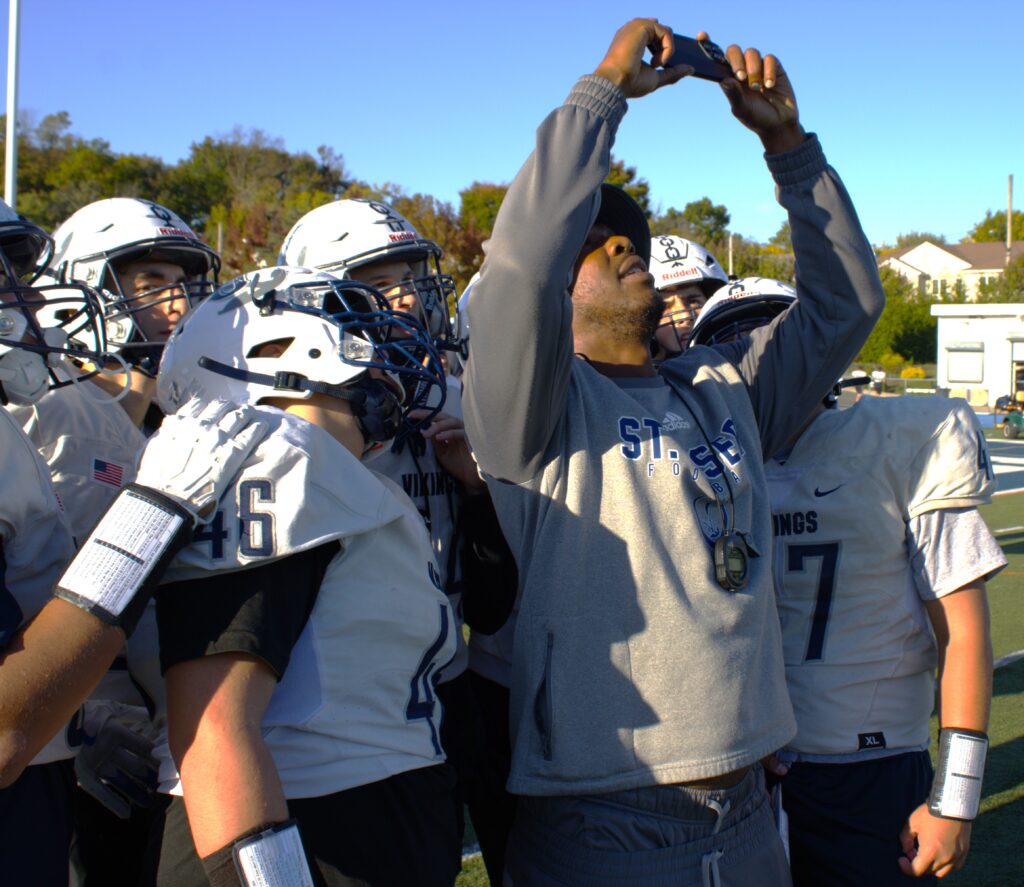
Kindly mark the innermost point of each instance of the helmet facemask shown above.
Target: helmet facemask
(41, 327)
(32, 352)
(330, 335)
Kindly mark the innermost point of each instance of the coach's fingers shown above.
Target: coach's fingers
(736, 60)
(754, 68)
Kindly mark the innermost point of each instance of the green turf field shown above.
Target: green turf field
(993, 861)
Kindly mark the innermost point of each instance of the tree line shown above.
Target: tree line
(243, 191)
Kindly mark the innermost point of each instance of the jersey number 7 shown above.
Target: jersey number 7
(828, 554)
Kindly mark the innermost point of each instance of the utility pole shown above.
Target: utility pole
(1009, 220)
(11, 152)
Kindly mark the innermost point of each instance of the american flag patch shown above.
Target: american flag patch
(107, 473)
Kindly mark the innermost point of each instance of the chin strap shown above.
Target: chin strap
(283, 381)
(374, 405)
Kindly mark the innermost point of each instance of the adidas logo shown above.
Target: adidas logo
(672, 422)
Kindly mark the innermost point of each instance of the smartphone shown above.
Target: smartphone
(706, 58)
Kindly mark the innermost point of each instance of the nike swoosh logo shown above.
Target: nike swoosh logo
(820, 493)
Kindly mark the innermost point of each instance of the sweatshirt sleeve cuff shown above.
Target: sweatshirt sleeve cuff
(599, 96)
(798, 164)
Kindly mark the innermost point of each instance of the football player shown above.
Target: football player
(149, 267)
(52, 652)
(369, 241)
(302, 635)
(880, 561)
(686, 275)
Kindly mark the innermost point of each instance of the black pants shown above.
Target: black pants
(845, 819)
(491, 807)
(399, 831)
(36, 821)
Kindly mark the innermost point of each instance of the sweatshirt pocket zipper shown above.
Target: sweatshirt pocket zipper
(542, 703)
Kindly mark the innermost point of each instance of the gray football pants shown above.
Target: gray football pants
(656, 836)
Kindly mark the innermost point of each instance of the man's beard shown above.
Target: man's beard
(626, 322)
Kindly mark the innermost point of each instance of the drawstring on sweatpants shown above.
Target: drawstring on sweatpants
(720, 811)
(709, 868)
(709, 862)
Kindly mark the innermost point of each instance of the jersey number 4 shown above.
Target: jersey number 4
(421, 699)
(828, 555)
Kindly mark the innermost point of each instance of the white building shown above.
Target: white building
(980, 350)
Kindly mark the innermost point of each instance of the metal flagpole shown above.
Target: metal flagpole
(11, 153)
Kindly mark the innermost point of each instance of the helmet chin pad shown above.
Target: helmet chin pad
(378, 412)
(24, 377)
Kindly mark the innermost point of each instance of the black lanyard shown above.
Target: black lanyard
(732, 552)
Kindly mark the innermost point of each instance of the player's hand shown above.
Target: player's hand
(197, 452)
(447, 434)
(624, 66)
(762, 98)
(942, 844)
(116, 765)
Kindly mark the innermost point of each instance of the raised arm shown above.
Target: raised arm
(840, 294)
(520, 312)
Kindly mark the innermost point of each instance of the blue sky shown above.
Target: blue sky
(918, 104)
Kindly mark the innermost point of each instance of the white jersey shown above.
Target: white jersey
(90, 444)
(355, 704)
(859, 650)
(92, 449)
(436, 495)
(35, 546)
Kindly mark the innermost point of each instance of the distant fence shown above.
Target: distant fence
(976, 397)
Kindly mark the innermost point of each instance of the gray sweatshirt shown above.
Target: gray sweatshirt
(631, 665)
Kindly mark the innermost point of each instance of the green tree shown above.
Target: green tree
(58, 172)
(753, 259)
(906, 327)
(913, 238)
(993, 228)
(708, 221)
(479, 205)
(1007, 287)
(671, 221)
(626, 178)
(782, 239)
(249, 189)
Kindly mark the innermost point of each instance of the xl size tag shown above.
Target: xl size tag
(870, 740)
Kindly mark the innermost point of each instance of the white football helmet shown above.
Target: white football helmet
(676, 261)
(100, 237)
(679, 266)
(342, 236)
(326, 334)
(30, 353)
(740, 307)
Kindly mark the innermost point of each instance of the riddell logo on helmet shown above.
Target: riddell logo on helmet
(686, 272)
(400, 236)
(171, 232)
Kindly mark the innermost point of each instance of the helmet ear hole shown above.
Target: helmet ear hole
(273, 348)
